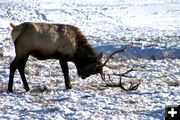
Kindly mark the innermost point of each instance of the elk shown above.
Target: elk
(54, 41)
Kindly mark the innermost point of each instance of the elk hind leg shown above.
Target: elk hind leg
(21, 67)
(13, 67)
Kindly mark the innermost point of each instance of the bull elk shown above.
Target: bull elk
(54, 41)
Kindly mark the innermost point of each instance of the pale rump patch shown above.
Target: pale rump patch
(12, 25)
(17, 29)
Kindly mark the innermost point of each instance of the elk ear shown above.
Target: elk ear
(100, 55)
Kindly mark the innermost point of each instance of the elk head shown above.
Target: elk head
(92, 66)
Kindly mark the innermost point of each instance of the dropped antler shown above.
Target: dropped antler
(132, 86)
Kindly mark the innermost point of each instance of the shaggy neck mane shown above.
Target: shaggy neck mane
(84, 53)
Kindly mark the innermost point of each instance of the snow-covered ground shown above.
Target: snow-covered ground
(152, 27)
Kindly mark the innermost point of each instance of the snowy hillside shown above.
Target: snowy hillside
(152, 27)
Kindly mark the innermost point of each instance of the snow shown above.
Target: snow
(152, 28)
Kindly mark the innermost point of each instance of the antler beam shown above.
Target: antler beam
(132, 86)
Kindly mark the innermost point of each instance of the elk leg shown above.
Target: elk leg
(13, 67)
(21, 67)
(64, 67)
(18, 62)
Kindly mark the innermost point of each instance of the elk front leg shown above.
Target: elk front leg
(64, 67)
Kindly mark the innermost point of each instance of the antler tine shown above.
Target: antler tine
(132, 86)
(115, 52)
(102, 76)
(121, 86)
(124, 74)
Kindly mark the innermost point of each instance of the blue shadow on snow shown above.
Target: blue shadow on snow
(138, 52)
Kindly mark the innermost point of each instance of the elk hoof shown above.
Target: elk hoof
(27, 89)
(10, 90)
(68, 87)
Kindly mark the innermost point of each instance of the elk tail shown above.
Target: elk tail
(17, 30)
(12, 25)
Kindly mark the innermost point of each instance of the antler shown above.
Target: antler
(132, 86)
(112, 54)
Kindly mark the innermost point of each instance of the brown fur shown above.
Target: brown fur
(57, 41)
(46, 38)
